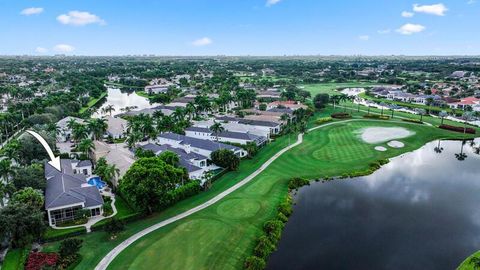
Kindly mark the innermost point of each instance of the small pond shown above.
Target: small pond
(120, 100)
(420, 211)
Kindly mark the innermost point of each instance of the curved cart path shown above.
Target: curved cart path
(103, 264)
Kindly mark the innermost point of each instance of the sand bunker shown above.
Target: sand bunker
(380, 148)
(396, 144)
(384, 134)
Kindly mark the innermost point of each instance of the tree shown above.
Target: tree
(442, 115)
(251, 148)
(30, 197)
(22, 224)
(148, 182)
(70, 247)
(217, 128)
(86, 146)
(29, 176)
(6, 170)
(142, 153)
(109, 109)
(170, 158)
(321, 100)
(97, 127)
(225, 159)
(114, 226)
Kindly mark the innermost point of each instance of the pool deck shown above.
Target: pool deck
(94, 220)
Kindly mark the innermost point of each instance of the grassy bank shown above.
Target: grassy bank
(92, 102)
(331, 88)
(15, 259)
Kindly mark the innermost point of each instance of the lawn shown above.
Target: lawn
(15, 259)
(330, 88)
(92, 102)
(97, 244)
(221, 236)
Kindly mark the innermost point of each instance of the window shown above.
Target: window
(85, 171)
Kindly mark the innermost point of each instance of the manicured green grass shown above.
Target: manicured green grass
(468, 264)
(92, 102)
(330, 88)
(15, 259)
(221, 236)
(144, 94)
(97, 244)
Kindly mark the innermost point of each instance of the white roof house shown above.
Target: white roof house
(117, 127)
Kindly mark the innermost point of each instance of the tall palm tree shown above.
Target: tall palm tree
(111, 173)
(217, 128)
(108, 109)
(79, 132)
(467, 116)
(190, 110)
(461, 156)
(442, 115)
(6, 170)
(133, 138)
(97, 127)
(86, 146)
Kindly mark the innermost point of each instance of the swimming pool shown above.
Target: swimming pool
(97, 181)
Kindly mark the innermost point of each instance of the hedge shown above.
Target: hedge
(458, 129)
(53, 235)
(341, 115)
(416, 121)
(376, 116)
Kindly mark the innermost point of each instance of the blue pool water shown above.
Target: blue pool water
(96, 181)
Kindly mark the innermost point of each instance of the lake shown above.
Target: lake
(122, 99)
(420, 211)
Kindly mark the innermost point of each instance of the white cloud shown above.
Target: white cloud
(384, 31)
(437, 9)
(471, 2)
(202, 42)
(63, 48)
(409, 28)
(407, 14)
(364, 37)
(41, 50)
(78, 18)
(272, 2)
(31, 11)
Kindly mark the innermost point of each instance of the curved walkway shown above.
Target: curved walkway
(103, 264)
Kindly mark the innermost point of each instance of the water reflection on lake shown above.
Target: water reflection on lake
(121, 100)
(420, 211)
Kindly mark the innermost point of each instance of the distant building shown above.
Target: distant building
(225, 136)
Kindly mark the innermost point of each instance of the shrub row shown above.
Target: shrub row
(272, 230)
(57, 235)
(323, 120)
(458, 129)
(376, 116)
(341, 115)
(416, 121)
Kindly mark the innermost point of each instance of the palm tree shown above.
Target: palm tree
(467, 116)
(382, 105)
(461, 156)
(6, 170)
(97, 127)
(443, 114)
(133, 138)
(438, 149)
(108, 109)
(217, 128)
(111, 173)
(421, 112)
(190, 110)
(79, 132)
(86, 146)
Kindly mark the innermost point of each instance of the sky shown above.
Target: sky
(240, 27)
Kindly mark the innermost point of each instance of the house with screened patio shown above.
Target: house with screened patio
(69, 191)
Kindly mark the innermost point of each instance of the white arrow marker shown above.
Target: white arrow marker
(54, 161)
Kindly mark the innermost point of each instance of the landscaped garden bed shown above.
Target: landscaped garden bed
(40, 260)
(341, 115)
(416, 121)
(376, 116)
(458, 129)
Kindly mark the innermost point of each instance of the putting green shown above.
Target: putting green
(222, 236)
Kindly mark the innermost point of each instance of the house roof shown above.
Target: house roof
(183, 156)
(116, 125)
(63, 123)
(227, 134)
(198, 143)
(66, 189)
